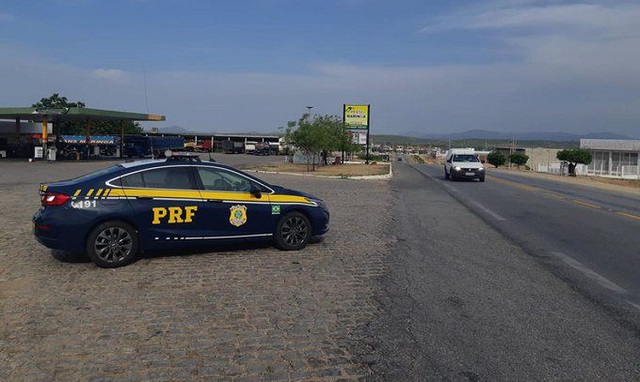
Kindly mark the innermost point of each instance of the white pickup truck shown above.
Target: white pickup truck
(463, 164)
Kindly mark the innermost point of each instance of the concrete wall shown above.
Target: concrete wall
(542, 157)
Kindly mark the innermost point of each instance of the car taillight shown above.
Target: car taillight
(53, 199)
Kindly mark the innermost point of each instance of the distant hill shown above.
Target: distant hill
(524, 136)
(480, 144)
(480, 139)
(173, 130)
(183, 131)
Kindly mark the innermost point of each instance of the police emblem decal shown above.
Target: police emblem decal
(238, 215)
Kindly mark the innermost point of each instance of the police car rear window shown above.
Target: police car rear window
(98, 173)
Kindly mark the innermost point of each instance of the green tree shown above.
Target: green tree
(55, 101)
(573, 157)
(496, 158)
(518, 159)
(313, 137)
(340, 138)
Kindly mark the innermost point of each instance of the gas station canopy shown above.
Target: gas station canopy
(73, 114)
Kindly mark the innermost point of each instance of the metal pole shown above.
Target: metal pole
(87, 137)
(121, 137)
(344, 113)
(368, 128)
(309, 111)
(45, 136)
(18, 130)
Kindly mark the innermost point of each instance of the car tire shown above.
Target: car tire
(482, 178)
(452, 177)
(446, 174)
(112, 244)
(293, 232)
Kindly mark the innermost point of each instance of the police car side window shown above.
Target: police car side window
(170, 177)
(133, 180)
(220, 180)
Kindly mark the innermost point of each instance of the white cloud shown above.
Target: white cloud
(605, 18)
(109, 74)
(6, 18)
(578, 70)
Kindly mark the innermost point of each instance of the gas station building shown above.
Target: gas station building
(21, 137)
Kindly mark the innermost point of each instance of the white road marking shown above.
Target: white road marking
(485, 209)
(633, 304)
(603, 281)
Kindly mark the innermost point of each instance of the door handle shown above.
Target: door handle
(214, 200)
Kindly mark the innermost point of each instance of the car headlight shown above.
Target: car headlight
(481, 169)
(319, 202)
(457, 168)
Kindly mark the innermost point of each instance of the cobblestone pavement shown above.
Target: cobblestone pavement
(254, 314)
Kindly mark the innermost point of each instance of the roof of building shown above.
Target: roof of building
(73, 114)
(611, 144)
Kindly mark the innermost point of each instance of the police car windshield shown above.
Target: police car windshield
(465, 158)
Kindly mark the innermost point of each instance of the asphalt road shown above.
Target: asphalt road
(500, 281)
(588, 235)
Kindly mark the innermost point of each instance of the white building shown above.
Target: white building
(613, 157)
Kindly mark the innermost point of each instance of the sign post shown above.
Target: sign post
(356, 118)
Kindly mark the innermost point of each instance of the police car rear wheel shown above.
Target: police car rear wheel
(293, 232)
(112, 244)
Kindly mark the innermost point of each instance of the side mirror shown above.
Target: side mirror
(255, 191)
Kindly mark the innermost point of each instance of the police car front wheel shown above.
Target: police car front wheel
(293, 232)
(112, 244)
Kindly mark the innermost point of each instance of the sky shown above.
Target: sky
(424, 66)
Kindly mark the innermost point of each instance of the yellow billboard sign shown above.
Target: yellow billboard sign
(356, 116)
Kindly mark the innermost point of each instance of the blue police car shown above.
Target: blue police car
(115, 213)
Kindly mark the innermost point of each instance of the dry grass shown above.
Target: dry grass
(601, 182)
(329, 170)
(633, 183)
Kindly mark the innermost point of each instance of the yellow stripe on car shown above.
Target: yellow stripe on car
(148, 193)
(234, 196)
(290, 199)
(209, 195)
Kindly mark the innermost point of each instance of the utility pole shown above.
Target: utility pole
(309, 112)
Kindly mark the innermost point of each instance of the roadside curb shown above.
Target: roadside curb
(363, 177)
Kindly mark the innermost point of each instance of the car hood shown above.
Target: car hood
(467, 164)
(288, 191)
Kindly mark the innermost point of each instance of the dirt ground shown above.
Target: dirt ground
(346, 170)
(632, 185)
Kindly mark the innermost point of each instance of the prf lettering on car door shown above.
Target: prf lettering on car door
(172, 215)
